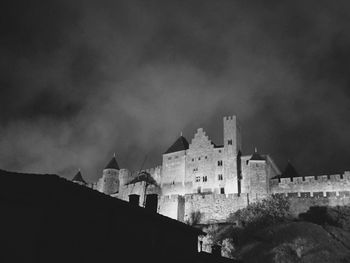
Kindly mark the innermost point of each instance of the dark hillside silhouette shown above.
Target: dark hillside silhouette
(45, 218)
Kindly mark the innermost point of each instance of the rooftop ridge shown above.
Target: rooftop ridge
(180, 144)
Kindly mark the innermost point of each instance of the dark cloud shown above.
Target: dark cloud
(81, 80)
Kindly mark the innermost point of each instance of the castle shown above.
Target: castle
(217, 180)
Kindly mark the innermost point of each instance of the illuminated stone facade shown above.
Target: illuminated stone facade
(215, 180)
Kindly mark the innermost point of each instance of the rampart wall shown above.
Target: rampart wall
(214, 207)
(172, 206)
(302, 203)
(177, 200)
(324, 183)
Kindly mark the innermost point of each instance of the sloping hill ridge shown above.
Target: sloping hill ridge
(298, 242)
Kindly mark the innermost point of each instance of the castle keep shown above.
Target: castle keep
(216, 180)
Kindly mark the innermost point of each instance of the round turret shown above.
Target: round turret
(110, 177)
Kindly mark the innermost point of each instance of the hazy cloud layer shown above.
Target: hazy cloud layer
(82, 80)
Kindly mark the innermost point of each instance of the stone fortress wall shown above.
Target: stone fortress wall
(306, 191)
(314, 185)
(216, 180)
(214, 207)
(333, 190)
(172, 206)
(303, 203)
(303, 193)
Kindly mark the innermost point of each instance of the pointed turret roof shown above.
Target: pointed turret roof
(112, 164)
(78, 178)
(256, 156)
(179, 145)
(289, 171)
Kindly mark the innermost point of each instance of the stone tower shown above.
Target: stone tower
(173, 167)
(232, 135)
(109, 183)
(258, 177)
(232, 148)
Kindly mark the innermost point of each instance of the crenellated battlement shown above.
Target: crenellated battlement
(317, 179)
(317, 195)
(312, 184)
(193, 174)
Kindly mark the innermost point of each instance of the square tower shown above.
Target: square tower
(232, 146)
(232, 135)
(258, 177)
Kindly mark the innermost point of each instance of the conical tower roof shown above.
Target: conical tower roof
(179, 145)
(78, 178)
(290, 171)
(256, 156)
(112, 164)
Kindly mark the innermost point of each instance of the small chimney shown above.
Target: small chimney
(152, 202)
(134, 199)
(216, 250)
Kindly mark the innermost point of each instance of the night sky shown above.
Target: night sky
(80, 80)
